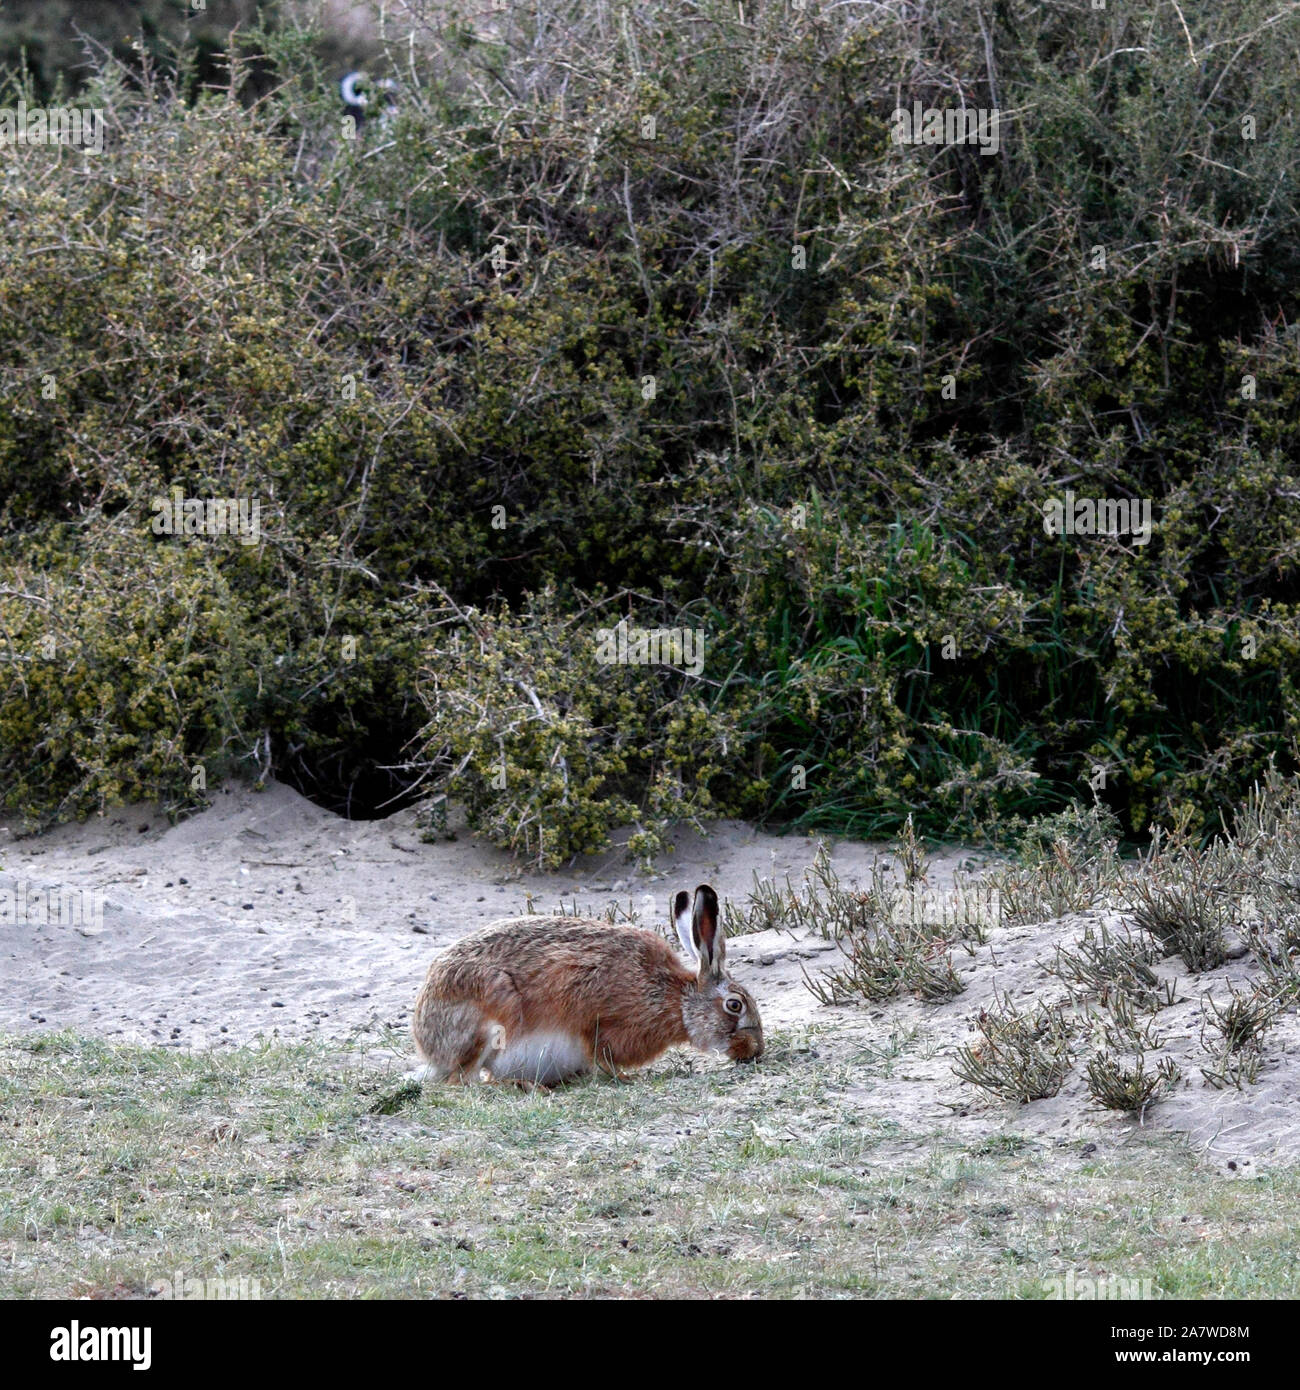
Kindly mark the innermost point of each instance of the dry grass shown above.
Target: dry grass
(315, 1174)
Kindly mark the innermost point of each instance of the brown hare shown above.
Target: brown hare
(542, 1000)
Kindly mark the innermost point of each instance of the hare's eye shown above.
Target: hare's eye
(734, 1005)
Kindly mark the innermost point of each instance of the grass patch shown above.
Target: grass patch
(294, 1166)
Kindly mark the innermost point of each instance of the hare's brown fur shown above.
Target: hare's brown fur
(548, 998)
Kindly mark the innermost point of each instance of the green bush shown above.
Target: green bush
(121, 674)
(751, 368)
(550, 744)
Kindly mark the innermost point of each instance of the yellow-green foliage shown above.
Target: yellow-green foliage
(550, 747)
(752, 368)
(120, 663)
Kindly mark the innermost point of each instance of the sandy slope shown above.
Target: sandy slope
(266, 915)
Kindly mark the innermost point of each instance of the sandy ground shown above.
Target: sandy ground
(265, 916)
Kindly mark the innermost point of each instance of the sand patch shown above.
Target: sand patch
(265, 916)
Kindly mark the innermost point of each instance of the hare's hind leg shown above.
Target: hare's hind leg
(456, 1040)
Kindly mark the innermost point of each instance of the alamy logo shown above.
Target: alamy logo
(1084, 1289)
(928, 125)
(1104, 516)
(214, 1288)
(39, 907)
(53, 125)
(77, 1343)
(179, 515)
(657, 646)
(972, 905)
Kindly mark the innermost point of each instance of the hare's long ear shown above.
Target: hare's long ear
(706, 934)
(679, 911)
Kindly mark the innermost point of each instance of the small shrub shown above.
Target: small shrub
(1116, 1085)
(1126, 1028)
(768, 906)
(1242, 1022)
(1239, 1026)
(1265, 833)
(1065, 881)
(1275, 939)
(911, 853)
(1186, 901)
(1235, 1069)
(1065, 863)
(1021, 1057)
(822, 904)
(889, 959)
(1104, 964)
(1087, 832)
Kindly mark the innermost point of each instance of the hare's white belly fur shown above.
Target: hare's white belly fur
(544, 1057)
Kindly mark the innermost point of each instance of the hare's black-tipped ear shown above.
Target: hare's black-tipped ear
(706, 935)
(679, 912)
